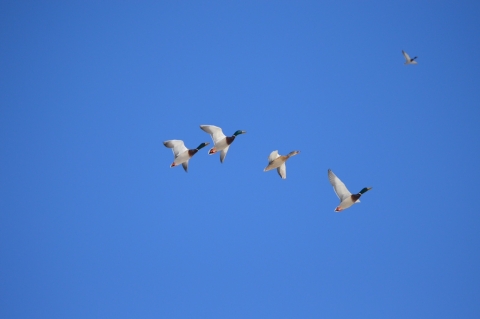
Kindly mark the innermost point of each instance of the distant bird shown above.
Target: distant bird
(278, 162)
(182, 154)
(408, 60)
(222, 142)
(346, 198)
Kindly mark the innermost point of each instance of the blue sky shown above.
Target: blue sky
(94, 223)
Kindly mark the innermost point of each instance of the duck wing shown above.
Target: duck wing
(338, 186)
(407, 57)
(223, 153)
(273, 156)
(271, 159)
(185, 166)
(215, 132)
(177, 146)
(282, 171)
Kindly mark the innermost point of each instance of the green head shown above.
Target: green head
(366, 189)
(239, 132)
(202, 145)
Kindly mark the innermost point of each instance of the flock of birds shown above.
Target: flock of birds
(222, 143)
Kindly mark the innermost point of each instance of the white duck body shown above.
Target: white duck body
(221, 145)
(182, 158)
(346, 203)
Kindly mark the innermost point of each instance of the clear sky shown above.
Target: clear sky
(94, 223)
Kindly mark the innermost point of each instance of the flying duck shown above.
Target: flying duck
(182, 154)
(347, 199)
(221, 142)
(278, 162)
(408, 60)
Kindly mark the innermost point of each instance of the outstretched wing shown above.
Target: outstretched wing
(273, 156)
(215, 132)
(407, 57)
(338, 186)
(177, 146)
(185, 166)
(223, 153)
(282, 171)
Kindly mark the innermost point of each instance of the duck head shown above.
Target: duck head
(202, 146)
(364, 190)
(239, 132)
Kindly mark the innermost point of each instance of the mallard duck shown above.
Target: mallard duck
(346, 198)
(222, 142)
(408, 60)
(278, 162)
(182, 154)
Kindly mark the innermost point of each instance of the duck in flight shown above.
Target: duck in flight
(221, 142)
(182, 154)
(347, 199)
(408, 60)
(278, 162)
